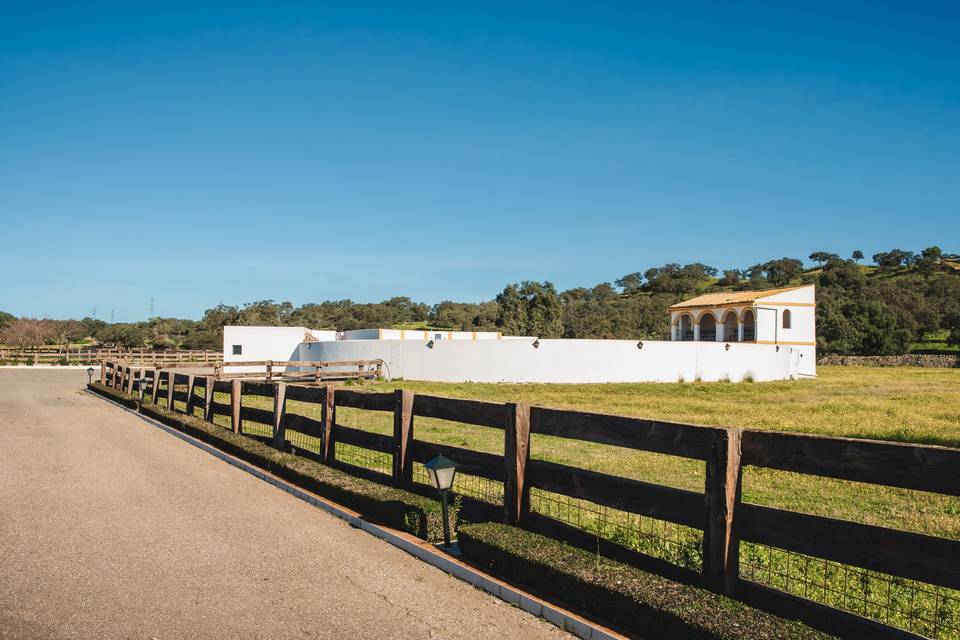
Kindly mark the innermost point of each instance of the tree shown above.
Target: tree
(730, 277)
(630, 283)
(776, 272)
(5, 319)
(822, 257)
(857, 255)
(672, 278)
(25, 332)
(929, 260)
(530, 308)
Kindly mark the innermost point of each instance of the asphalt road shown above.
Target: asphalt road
(111, 528)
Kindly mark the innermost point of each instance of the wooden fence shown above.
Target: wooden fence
(718, 511)
(299, 370)
(53, 355)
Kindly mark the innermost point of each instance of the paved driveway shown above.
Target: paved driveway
(111, 528)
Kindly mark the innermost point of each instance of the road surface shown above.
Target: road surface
(112, 528)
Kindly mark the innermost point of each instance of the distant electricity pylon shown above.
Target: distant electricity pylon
(151, 307)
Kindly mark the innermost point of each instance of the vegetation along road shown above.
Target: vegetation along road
(112, 528)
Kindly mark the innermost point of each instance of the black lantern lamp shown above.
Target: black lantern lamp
(89, 375)
(442, 471)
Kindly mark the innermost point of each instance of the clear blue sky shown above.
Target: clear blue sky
(236, 151)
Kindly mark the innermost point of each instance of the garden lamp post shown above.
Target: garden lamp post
(441, 471)
(89, 375)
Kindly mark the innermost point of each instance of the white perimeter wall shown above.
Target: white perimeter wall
(262, 343)
(565, 361)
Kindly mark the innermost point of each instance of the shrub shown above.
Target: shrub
(631, 599)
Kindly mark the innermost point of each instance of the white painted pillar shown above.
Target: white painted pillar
(720, 332)
(696, 332)
(739, 331)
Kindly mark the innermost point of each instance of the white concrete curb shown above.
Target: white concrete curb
(555, 615)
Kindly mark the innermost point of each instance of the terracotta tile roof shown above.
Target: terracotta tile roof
(729, 297)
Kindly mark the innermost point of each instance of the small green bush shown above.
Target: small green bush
(126, 399)
(393, 507)
(621, 595)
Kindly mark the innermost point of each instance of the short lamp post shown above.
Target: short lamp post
(442, 470)
(89, 375)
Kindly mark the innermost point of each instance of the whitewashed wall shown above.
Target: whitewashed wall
(261, 343)
(565, 361)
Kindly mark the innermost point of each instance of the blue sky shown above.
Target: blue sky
(238, 151)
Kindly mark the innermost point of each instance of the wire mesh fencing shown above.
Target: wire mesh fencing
(674, 543)
(917, 607)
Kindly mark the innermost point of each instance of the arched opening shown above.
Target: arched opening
(730, 327)
(749, 326)
(708, 328)
(685, 328)
(786, 318)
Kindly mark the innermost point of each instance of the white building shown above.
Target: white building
(757, 335)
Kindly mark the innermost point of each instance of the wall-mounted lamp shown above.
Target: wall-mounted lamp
(727, 347)
(639, 344)
(430, 345)
(536, 343)
(778, 348)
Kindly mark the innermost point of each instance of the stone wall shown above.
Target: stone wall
(908, 360)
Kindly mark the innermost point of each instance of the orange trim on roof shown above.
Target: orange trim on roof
(731, 298)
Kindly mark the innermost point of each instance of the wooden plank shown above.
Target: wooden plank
(171, 387)
(222, 386)
(254, 414)
(329, 417)
(908, 555)
(364, 400)
(279, 412)
(721, 546)
(475, 463)
(654, 500)
(191, 400)
(909, 466)
(304, 425)
(402, 437)
(103, 373)
(236, 393)
(264, 389)
(516, 494)
(155, 388)
(485, 414)
(306, 394)
(219, 409)
(634, 433)
(365, 439)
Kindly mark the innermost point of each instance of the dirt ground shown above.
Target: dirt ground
(112, 528)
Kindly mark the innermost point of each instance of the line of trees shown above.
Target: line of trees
(880, 310)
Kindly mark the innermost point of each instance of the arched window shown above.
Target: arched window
(708, 327)
(749, 326)
(685, 327)
(730, 326)
(786, 318)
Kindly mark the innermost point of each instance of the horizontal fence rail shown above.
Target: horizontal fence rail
(718, 513)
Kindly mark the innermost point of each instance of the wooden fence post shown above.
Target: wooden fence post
(402, 438)
(279, 415)
(155, 387)
(113, 376)
(516, 452)
(141, 383)
(721, 543)
(103, 372)
(235, 393)
(208, 400)
(171, 379)
(190, 381)
(129, 386)
(269, 371)
(329, 418)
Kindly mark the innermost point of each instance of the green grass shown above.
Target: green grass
(935, 342)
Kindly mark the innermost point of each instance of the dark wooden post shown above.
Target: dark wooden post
(329, 419)
(103, 373)
(516, 452)
(235, 394)
(402, 437)
(208, 400)
(190, 381)
(279, 415)
(171, 380)
(721, 543)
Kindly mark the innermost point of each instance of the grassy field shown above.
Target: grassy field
(897, 404)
